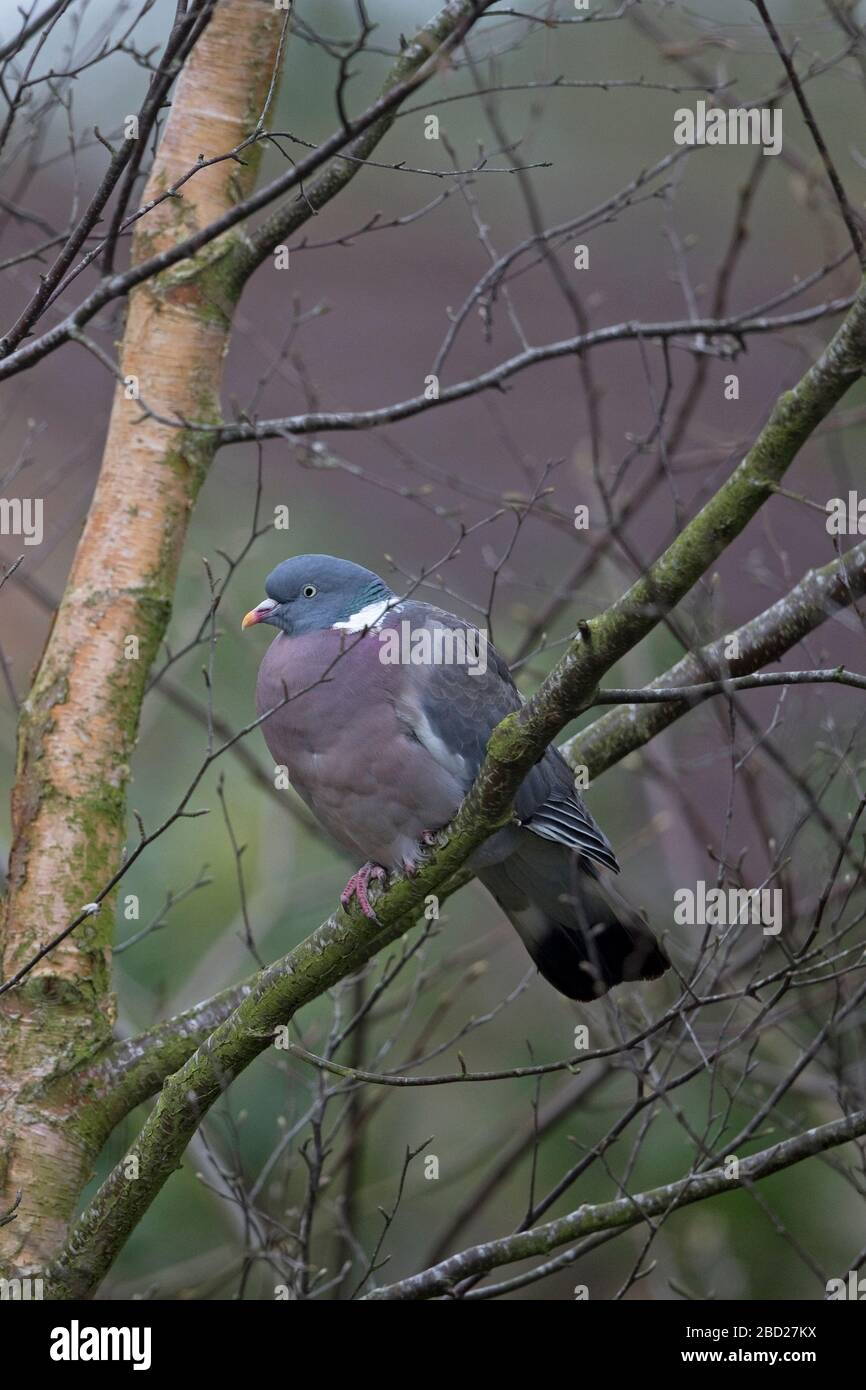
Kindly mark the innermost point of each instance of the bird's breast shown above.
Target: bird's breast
(336, 721)
(332, 704)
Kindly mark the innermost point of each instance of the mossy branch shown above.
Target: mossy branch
(817, 596)
(439, 36)
(347, 940)
(134, 1069)
(440, 1280)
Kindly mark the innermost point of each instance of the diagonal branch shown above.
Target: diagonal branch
(134, 1069)
(814, 130)
(346, 940)
(423, 59)
(627, 1211)
(819, 594)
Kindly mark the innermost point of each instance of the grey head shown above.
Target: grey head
(310, 592)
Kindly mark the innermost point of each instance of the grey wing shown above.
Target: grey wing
(460, 710)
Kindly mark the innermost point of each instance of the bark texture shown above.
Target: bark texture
(80, 720)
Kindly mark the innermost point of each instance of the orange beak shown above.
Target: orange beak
(258, 615)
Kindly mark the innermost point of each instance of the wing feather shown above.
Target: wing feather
(458, 712)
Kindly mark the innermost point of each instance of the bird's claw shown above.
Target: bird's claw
(357, 888)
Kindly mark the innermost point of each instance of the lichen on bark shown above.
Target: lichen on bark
(80, 721)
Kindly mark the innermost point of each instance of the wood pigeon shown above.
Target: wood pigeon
(382, 711)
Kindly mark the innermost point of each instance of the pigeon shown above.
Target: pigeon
(380, 709)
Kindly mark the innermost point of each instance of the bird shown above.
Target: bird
(382, 741)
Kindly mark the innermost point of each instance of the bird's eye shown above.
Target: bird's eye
(309, 591)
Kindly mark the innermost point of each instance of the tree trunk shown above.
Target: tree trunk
(80, 721)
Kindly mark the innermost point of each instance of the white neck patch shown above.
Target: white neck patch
(371, 616)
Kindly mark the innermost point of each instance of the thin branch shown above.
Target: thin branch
(814, 130)
(442, 1279)
(694, 694)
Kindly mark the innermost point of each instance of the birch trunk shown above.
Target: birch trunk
(80, 721)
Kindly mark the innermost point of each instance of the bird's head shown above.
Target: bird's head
(310, 592)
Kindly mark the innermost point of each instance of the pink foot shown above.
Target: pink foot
(358, 885)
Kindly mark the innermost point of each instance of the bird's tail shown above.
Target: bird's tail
(582, 934)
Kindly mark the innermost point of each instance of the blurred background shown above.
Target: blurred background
(356, 322)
